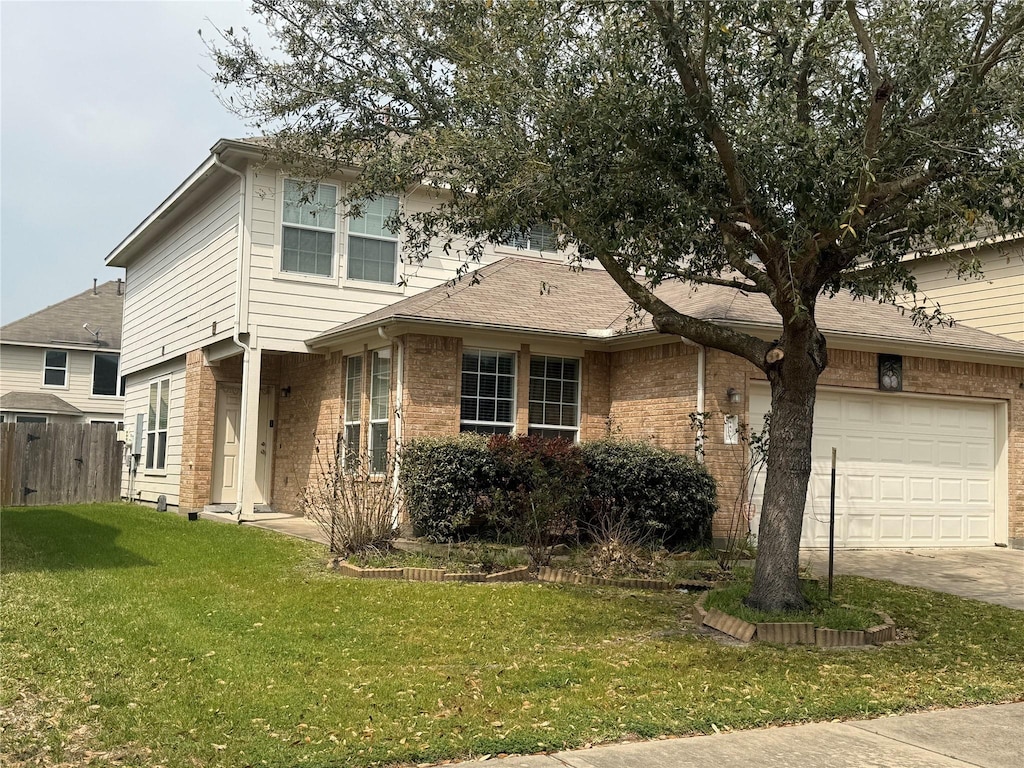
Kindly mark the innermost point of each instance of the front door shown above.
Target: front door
(224, 485)
(265, 450)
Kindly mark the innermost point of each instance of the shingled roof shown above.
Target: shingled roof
(37, 402)
(531, 296)
(60, 324)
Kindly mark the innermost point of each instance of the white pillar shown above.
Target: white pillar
(250, 434)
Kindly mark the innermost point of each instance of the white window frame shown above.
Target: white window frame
(372, 448)
(303, 277)
(497, 425)
(23, 418)
(396, 239)
(153, 432)
(66, 368)
(575, 430)
(350, 448)
(118, 390)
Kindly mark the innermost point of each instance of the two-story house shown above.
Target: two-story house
(62, 363)
(263, 327)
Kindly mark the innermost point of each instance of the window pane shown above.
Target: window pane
(488, 362)
(467, 410)
(150, 449)
(378, 446)
(350, 447)
(104, 374)
(470, 362)
(507, 364)
(164, 395)
(469, 385)
(372, 260)
(153, 396)
(486, 410)
(54, 377)
(504, 411)
(353, 387)
(307, 251)
(309, 207)
(380, 383)
(56, 359)
(487, 395)
(374, 216)
(487, 429)
(554, 393)
(161, 450)
(506, 386)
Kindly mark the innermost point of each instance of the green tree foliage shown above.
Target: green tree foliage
(790, 149)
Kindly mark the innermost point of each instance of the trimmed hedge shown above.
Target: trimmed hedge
(661, 494)
(461, 487)
(442, 479)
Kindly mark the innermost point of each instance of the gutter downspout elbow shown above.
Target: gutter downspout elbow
(241, 287)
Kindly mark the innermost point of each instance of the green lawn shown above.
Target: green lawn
(138, 637)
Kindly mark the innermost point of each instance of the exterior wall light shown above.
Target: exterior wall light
(890, 373)
(734, 395)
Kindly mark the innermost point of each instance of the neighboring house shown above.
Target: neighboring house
(994, 303)
(62, 363)
(260, 330)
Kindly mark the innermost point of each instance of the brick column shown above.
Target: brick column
(523, 390)
(197, 434)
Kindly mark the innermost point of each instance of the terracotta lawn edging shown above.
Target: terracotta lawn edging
(559, 576)
(794, 632)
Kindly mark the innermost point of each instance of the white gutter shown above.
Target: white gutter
(399, 390)
(701, 368)
(241, 289)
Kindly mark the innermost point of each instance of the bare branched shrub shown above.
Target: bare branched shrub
(354, 506)
(620, 546)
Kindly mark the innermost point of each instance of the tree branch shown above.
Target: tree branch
(667, 319)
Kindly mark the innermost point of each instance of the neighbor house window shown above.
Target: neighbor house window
(30, 419)
(104, 374)
(380, 388)
(353, 403)
(372, 245)
(539, 237)
(55, 368)
(309, 224)
(488, 392)
(554, 396)
(156, 424)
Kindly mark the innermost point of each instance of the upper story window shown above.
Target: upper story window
(554, 396)
(353, 411)
(372, 244)
(309, 228)
(488, 392)
(156, 424)
(55, 368)
(539, 237)
(105, 381)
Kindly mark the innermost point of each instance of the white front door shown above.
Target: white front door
(265, 450)
(226, 448)
(911, 471)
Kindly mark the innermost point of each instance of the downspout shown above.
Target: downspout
(241, 290)
(399, 388)
(701, 375)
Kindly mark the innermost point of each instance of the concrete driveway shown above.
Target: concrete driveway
(989, 574)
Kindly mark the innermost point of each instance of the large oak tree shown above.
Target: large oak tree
(789, 148)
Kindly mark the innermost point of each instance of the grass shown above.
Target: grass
(821, 611)
(134, 637)
(463, 557)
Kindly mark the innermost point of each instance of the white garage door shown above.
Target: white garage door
(910, 471)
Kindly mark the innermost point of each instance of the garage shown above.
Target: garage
(911, 471)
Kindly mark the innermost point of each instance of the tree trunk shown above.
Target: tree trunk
(776, 571)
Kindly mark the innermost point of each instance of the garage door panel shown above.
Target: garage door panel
(912, 471)
(892, 529)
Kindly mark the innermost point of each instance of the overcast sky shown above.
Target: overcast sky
(104, 110)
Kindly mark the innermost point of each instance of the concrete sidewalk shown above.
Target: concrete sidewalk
(989, 737)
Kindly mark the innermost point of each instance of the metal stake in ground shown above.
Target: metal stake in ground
(832, 525)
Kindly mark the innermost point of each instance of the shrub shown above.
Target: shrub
(352, 505)
(442, 479)
(538, 490)
(659, 493)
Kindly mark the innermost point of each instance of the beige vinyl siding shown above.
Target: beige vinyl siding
(153, 483)
(287, 312)
(182, 284)
(994, 303)
(21, 370)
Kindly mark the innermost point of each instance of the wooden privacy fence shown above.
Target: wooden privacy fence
(58, 464)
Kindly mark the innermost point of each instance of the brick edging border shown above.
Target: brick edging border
(521, 573)
(794, 632)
